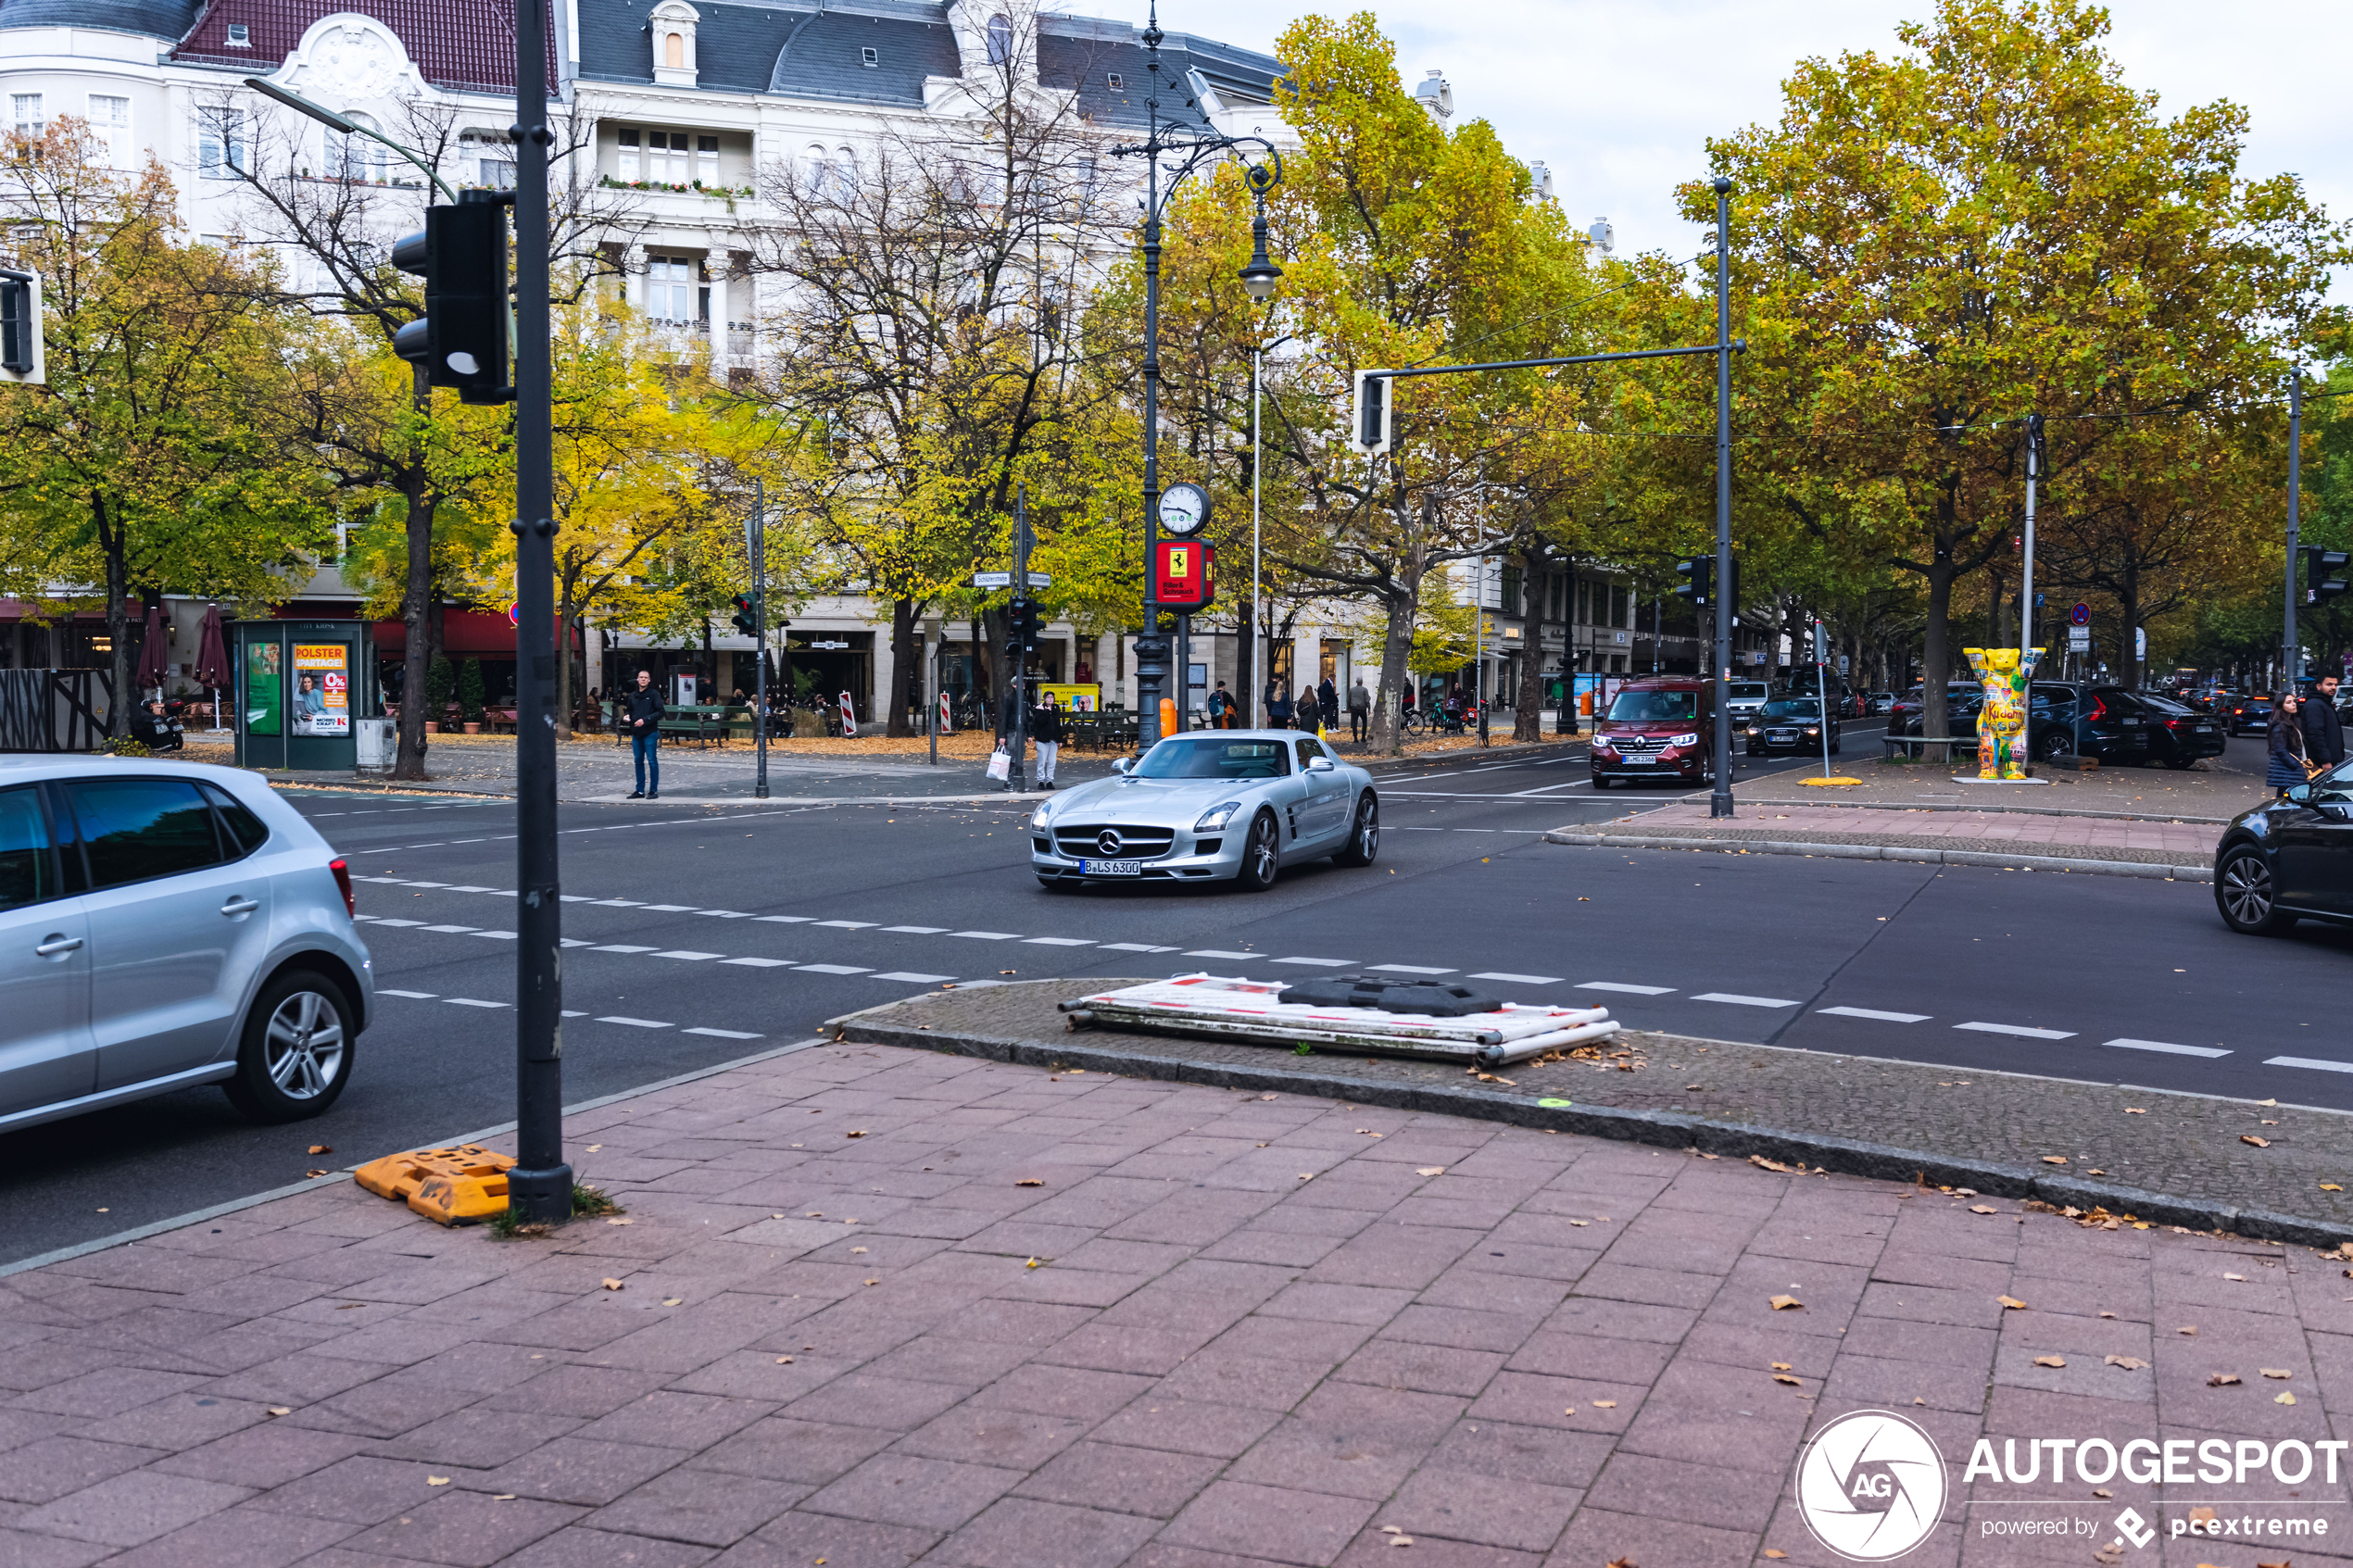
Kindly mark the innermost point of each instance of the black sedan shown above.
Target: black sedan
(2242, 712)
(1790, 723)
(2176, 733)
(2290, 860)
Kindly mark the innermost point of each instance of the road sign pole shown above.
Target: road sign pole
(1720, 802)
(2295, 484)
(1016, 780)
(760, 636)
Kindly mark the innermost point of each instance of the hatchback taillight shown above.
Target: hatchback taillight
(342, 880)
(2098, 712)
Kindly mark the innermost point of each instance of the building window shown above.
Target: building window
(706, 160)
(29, 119)
(1001, 40)
(667, 157)
(870, 57)
(676, 290)
(358, 159)
(1118, 82)
(110, 124)
(673, 51)
(239, 36)
(631, 167)
(220, 144)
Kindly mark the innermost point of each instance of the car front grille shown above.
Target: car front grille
(1780, 737)
(1636, 746)
(1085, 841)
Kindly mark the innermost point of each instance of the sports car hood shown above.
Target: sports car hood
(1149, 802)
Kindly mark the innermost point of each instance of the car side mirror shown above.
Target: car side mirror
(1120, 765)
(2300, 794)
(1320, 764)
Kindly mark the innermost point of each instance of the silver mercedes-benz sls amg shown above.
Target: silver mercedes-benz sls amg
(1205, 806)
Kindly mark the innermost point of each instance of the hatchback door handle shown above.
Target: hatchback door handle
(240, 906)
(57, 943)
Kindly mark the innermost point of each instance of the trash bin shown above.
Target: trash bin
(377, 746)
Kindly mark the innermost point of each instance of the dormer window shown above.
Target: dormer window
(870, 57)
(1001, 40)
(239, 36)
(671, 28)
(1118, 82)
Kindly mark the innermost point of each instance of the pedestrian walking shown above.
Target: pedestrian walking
(1359, 707)
(1221, 707)
(640, 718)
(2323, 731)
(2288, 760)
(1278, 706)
(1328, 699)
(1308, 714)
(1046, 729)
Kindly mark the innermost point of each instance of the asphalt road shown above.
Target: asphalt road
(706, 934)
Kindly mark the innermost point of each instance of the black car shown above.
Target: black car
(1792, 723)
(2176, 733)
(2241, 711)
(1904, 713)
(2065, 718)
(2289, 859)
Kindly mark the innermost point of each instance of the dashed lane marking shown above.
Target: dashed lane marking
(1743, 1001)
(1622, 985)
(1410, 969)
(635, 1022)
(2167, 1049)
(2312, 1062)
(1518, 979)
(830, 968)
(1221, 953)
(1876, 1015)
(1320, 963)
(723, 1034)
(911, 976)
(2023, 1031)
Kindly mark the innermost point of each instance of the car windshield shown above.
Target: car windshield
(1793, 708)
(1639, 706)
(1745, 691)
(1215, 760)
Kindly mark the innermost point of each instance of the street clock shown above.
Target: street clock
(1183, 509)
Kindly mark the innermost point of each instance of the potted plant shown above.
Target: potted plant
(440, 680)
(470, 695)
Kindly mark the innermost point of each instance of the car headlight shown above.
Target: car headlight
(1038, 818)
(1684, 740)
(1218, 817)
(1813, 729)
(1755, 730)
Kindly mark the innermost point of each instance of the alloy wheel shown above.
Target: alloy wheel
(2246, 890)
(304, 1046)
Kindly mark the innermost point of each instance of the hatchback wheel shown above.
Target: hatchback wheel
(2051, 747)
(1261, 856)
(1364, 837)
(298, 1049)
(2245, 894)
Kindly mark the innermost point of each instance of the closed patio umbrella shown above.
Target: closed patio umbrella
(212, 659)
(154, 652)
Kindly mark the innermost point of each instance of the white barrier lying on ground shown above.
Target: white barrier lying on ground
(1253, 1009)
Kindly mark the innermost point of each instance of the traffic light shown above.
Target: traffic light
(21, 354)
(1699, 580)
(747, 615)
(1023, 626)
(462, 338)
(1373, 424)
(2318, 565)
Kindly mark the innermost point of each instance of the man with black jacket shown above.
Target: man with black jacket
(1046, 729)
(641, 721)
(2323, 731)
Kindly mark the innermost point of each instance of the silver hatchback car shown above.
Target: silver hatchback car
(162, 926)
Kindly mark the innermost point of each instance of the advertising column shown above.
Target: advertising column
(323, 689)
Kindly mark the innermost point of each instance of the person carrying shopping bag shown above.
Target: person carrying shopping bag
(1046, 729)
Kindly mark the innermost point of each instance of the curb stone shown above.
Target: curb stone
(1976, 810)
(1661, 1129)
(2159, 869)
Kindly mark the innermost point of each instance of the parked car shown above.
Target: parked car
(1226, 806)
(2243, 711)
(1660, 727)
(165, 927)
(1877, 703)
(2177, 734)
(2064, 718)
(2289, 859)
(1793, 724)
(1903, 714)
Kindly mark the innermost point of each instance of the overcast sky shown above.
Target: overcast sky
(1619, 97)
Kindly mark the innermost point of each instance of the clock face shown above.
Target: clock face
(1183, 508)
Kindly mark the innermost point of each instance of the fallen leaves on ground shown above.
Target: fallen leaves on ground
(317, 1174)
(2134, 1110)
(2240, 1278)
(1784, 1366)
(1604, 1404)
(1759, 1159)
(1430, 1171)
(1783, 1303)
(2331, 1186)
(1784, 1377)
(321, 1148)
(614, 1284)
(2130, 1363)
(2011, 1303)
(2050, 1360)
(2275, 1371)
(1031, 1264)
(436, 1480)
(1582, 1224)
(1983, 1208)
(625, 1219)
(2282, 1398)
(2251, 1137)
(1030, 1182)
(859, 1134)
(783, 1360)
(2221, 1379)
(282, 1409)
(1772, 1553)
(672, 1301)
(2055, 1160)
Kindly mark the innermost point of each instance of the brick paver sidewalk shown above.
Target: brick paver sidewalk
(882, 1306)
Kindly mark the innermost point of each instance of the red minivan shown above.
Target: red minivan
(1660, 727)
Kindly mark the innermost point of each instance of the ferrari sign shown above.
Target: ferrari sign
(1181, 575)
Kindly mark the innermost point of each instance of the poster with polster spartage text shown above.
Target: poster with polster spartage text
(323, 689)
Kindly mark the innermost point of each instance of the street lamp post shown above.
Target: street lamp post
(1720, 802)
(1259, 277)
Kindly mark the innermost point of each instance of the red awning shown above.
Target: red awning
(465, 634)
